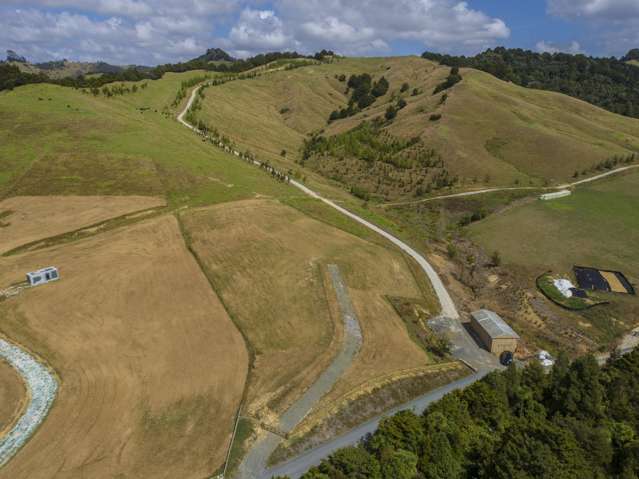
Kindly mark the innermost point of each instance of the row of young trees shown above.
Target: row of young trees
(580, 421)
(115, 90)
(609, 164)
(606, 82)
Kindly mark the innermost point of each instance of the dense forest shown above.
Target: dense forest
(11, 76)
(578, 421)
(606, 82)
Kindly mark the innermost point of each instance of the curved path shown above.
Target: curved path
(513, 188)
(254, 464)
(463, 347)
(42, 389)
(448, 307)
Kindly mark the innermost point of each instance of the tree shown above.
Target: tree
(391, 113)
(399, 465)
(380, 88)
(401, 103)
(405, 87)
(353, 462)
(402, 431)
(283, 153)
(439, 460)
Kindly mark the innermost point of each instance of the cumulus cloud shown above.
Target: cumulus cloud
(150, 31)
(614, 23)
(595, 9)
(544, 46)
(355, 27)
(259, 30)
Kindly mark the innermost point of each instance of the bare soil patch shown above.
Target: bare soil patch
(151, 367)
(33, 218)
(267, 262)
(13, 395)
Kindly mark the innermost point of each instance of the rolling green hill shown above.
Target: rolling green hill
(490, 132)
(57, 140)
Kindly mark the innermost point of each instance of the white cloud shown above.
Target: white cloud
(353, 27)
(595, 9)
(614, 23)
(544, 46)
(259, 30)
(151, 31)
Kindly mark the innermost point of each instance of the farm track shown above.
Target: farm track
(256, 460)
(513, 188)
(42, 389)
(463, 348)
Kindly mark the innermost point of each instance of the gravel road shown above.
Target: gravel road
(42, 388)
(463, 346)
(254, 463)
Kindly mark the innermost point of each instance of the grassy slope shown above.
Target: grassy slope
(598, 225)
(79, 144)
(489, 127)
(509, 132)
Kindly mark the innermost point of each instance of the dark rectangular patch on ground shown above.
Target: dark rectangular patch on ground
(596, 280)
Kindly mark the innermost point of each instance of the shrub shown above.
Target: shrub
(435, 117)
(380, 88)
(360, 192)
(391, 113)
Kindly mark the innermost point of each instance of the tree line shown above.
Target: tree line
(579, 421)
(11, 76)
(609, 83)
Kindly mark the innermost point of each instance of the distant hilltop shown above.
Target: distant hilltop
(215, 55)
(58, 69)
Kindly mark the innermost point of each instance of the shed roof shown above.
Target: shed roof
(494, 325)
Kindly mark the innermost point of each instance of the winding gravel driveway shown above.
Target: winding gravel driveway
(253, 467)
(42, 387)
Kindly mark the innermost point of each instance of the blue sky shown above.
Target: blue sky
(158, 31)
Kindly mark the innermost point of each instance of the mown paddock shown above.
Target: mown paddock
(13, 396)
(32, 218)
(597, 225)
(152, 369)
(267, 262)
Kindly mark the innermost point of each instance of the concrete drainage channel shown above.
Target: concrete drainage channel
(254, 464)
(42, 387)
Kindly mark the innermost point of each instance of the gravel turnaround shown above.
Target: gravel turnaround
(42, 386)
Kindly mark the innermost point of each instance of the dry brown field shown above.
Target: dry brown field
(267, 261)
(32, 218)
(13, 396)
(151, 367)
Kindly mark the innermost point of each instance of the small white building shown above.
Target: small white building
(42, 276)
(555, 195)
